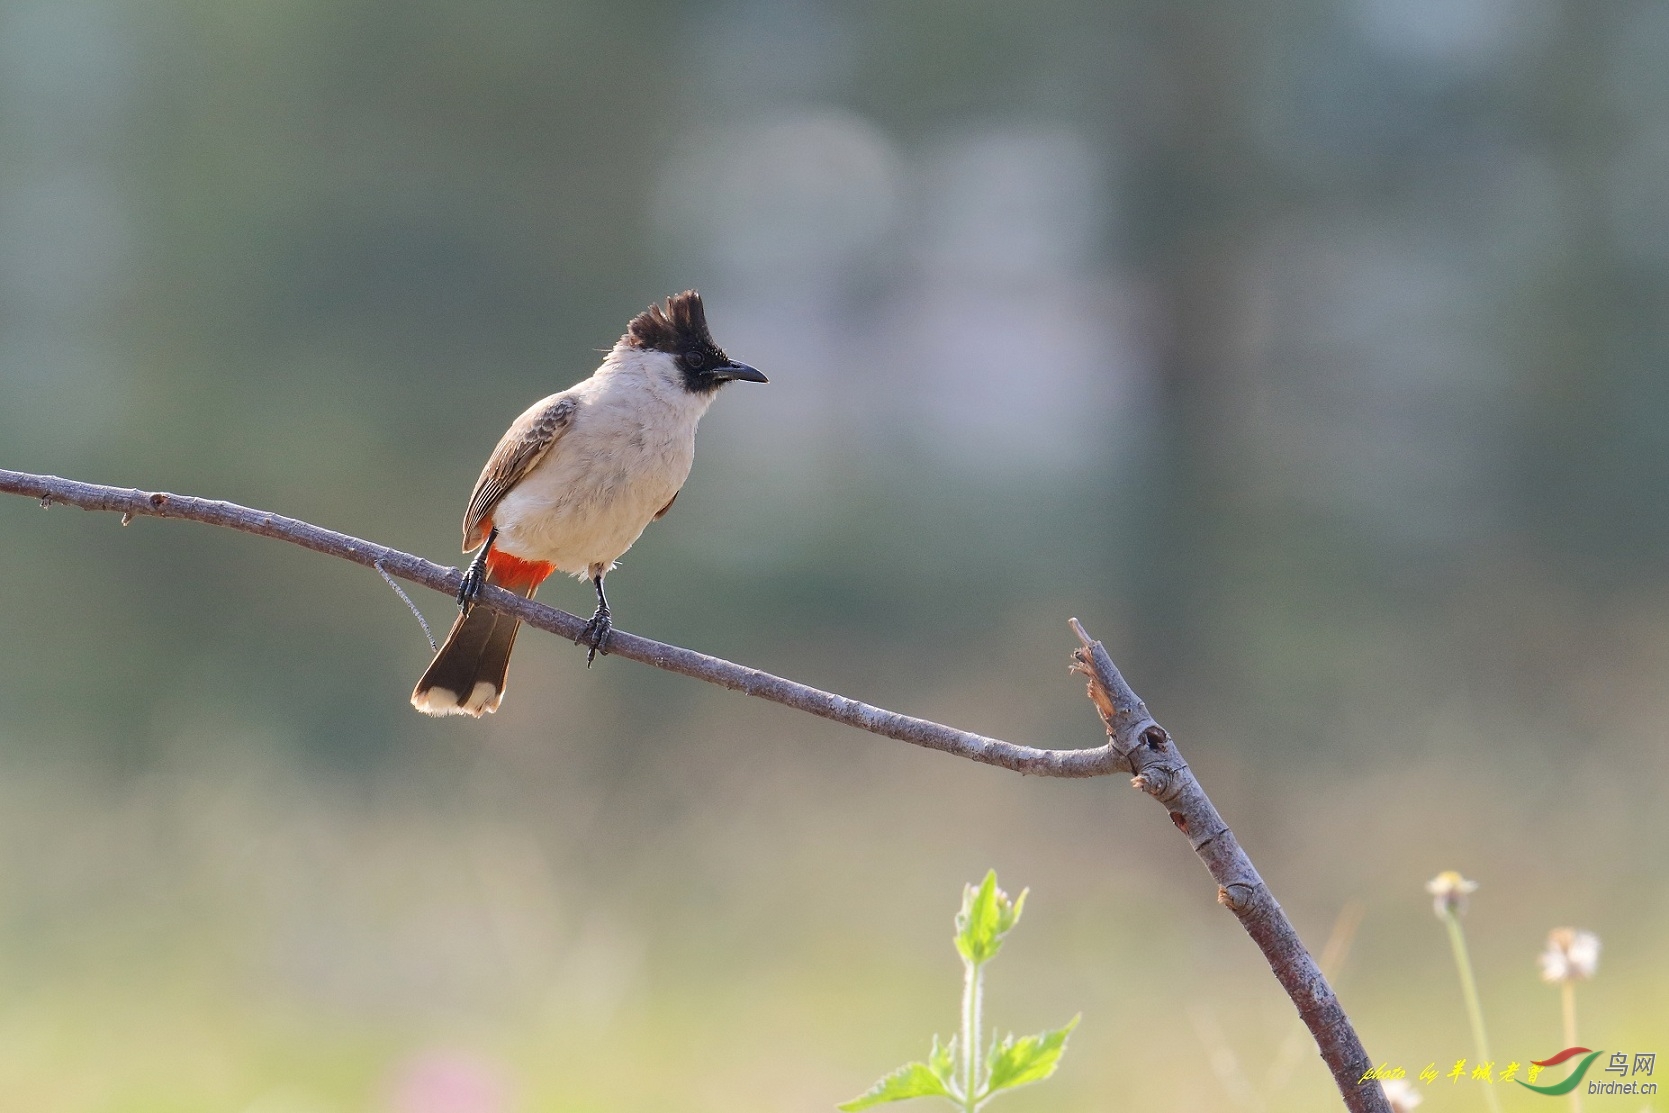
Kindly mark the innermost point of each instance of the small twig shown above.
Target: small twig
(434, 647)
(1147, 750)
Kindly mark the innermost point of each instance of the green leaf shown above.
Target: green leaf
(1028, 1059)
(986, 916)
(912, 1080)
(942, 1062)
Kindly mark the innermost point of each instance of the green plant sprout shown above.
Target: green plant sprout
(956, 1071)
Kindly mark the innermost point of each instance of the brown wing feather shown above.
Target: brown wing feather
(521, 447)
(661, 513)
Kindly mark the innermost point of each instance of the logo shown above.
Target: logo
(1619, 1063)
(1575, 1077)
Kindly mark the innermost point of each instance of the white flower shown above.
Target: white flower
(1449, 891)
(1401, 1095)
(1570, 954)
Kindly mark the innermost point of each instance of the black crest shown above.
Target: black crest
(677, 328)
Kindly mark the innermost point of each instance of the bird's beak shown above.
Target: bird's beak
(734, 370)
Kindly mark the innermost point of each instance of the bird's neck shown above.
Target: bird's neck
(645, 376)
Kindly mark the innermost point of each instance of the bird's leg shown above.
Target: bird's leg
(596, 631)
(475, 575)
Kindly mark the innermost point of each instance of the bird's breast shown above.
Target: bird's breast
(601, 483)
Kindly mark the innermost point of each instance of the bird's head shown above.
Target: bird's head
(678, 329)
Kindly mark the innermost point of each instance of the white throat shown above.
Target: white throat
(656, 374)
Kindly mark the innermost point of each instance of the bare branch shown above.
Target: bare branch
(1135, 742)
(918, 732)
(1147, 750)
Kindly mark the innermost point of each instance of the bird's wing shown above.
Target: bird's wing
(521, 447)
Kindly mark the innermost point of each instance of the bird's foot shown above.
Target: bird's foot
(474, 576)
(596, 635)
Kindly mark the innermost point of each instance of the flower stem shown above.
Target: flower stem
(1567, 995)
(973, 986)
(1474, 1010)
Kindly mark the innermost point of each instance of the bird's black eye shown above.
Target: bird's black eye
(695, 359)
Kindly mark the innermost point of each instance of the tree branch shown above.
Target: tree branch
(919, 732)
(1135, 742)
(1145, 748)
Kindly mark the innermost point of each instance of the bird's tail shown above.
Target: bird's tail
(467, 675)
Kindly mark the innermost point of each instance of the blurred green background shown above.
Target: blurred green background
(1311, 353)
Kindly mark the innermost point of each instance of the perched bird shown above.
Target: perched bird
(572, 484)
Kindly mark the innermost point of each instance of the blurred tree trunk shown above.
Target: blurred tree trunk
(1576, 485)
(1200, 190)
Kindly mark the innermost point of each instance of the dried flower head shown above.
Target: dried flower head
(1449, 891)
(1401, 1095)
(1570, 954)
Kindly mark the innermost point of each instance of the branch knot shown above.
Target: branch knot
(1236, 896)
(1159, 781)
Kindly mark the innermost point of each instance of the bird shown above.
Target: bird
(572, 484)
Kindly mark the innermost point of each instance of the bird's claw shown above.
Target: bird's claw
(470, 586)
(596, 635)
(475, 575)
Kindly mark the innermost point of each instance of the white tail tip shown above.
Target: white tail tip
(483, 700)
